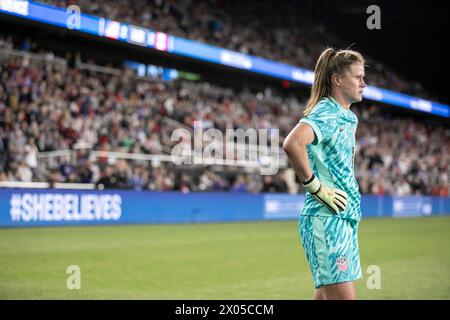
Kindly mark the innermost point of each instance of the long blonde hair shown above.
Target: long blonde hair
(330, 62)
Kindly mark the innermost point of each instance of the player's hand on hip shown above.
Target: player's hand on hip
(334, 199)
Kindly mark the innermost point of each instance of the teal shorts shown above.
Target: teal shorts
(331, 247)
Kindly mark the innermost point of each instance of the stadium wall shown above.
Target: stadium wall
(31, 207)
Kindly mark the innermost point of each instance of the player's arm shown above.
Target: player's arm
(295, 147)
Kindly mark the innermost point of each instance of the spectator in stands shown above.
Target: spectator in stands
(239, 184)
(112, 113)
(107, 179)
(291, 36)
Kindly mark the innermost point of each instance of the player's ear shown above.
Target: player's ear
(335, 80)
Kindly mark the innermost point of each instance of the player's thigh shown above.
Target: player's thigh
(331, 248)
(341, 238)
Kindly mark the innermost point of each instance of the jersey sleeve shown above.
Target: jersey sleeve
(323, 119)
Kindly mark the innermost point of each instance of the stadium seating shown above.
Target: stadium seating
(291, 36)
(47, 107)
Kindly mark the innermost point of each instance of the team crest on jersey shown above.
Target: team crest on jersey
(342, 263)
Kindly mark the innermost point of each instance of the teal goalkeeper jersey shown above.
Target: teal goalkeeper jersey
(332, 156)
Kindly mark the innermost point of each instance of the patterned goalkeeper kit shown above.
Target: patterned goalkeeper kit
(330, 241)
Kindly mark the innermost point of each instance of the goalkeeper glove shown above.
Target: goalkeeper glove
(334, 199)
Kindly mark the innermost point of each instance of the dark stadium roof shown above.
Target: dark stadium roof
(411, 39)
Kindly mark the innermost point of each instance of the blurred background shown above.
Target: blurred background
(91, 92)
(66, 94)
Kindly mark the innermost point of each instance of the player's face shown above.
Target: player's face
(352, 83)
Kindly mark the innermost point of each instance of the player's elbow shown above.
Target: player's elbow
(291, 145)
(287, 145)
(297, 139)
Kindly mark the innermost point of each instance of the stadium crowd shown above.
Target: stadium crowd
(291, 36)
(47, 107)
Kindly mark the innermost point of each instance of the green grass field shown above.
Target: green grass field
(260, 260)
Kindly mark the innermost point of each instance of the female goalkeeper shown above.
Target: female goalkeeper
(321, 150)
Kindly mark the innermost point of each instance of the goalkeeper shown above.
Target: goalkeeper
(321, 150)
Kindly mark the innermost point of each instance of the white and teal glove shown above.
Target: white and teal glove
(334, 199)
